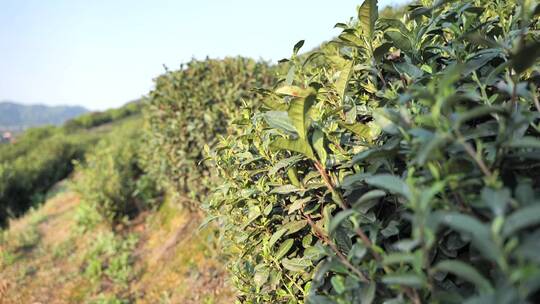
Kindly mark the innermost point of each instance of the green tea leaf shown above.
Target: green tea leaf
(296, 264)
(391, 183)
(368, 13)
(466, 272)
(284, 249)
(406, 279)
(338, 218)
(343, 80)
(523, 217)
(297, 145)
(298, 114)
(279, 120)
(318, 145)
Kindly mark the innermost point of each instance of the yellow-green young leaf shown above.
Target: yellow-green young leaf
(273, 102)
(360, 129)
(261, 276)
(296, 264)
(298, 114)
(295, 226)
(284, 248)
(399, 39)
(466, 272)
(368, 13)
(343, 80)
(284, 189)
(296, 145)
(318, 145)
(293, 176)
(294, 91)
(352, 39)
(275, 237)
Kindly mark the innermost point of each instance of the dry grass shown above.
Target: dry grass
(42, 259)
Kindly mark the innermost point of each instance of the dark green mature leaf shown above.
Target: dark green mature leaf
(295, 226)
(409, 69)
(298, 46)
(284, 163)
(466, 272)
(368, 196)
(525, 142)
(406, 279)
(338, 218)
(497, 200)
(526, 57)
(480, 233)
(523, 217)
(391, 183)
(367, 294)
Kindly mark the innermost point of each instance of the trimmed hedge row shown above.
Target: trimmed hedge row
(188, 110)
(400, 166)
(112, 180)
(41, 157)
(34, 163)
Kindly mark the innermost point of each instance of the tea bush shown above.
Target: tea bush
(189, 109)
(399, 166)
(34, 163)
(112, 180)
(41, 157)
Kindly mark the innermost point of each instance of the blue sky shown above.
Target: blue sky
(103, 53)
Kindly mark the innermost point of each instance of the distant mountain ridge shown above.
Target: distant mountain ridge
(16, 117)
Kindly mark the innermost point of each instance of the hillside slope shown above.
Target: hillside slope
(16, 117)
(159, 257)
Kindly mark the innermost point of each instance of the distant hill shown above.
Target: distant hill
(17, 117)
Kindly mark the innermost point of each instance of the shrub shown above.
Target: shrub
(110, 177)
(187, 110)
(33, 164)
(400, 166)
(111, 257)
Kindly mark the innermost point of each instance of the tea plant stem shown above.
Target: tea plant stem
(344, 206)
(321, 235)
(472, 153)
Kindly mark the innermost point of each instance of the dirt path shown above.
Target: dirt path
(43, 259)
